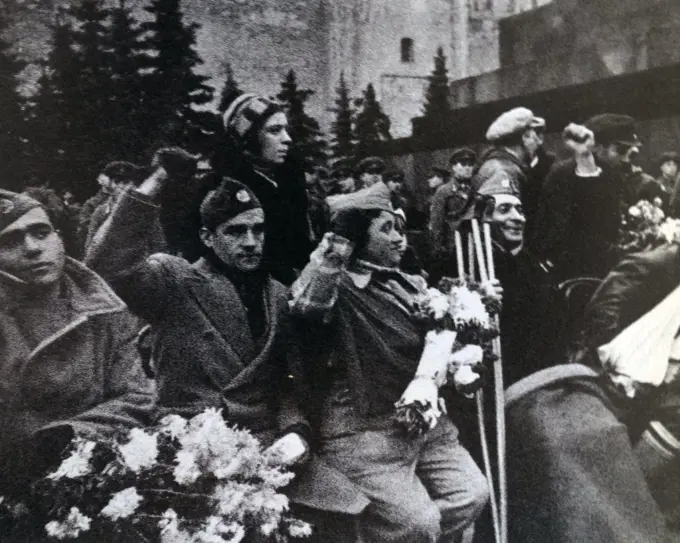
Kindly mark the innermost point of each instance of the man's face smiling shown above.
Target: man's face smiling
(31, 249)
(239, 242)
(507, 221)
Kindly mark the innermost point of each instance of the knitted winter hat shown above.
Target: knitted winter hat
(13, 206)
(227, 201)
(248, 112)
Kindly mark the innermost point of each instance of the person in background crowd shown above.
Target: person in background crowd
(516, 136)
(257, 151)
(394, 179)
(64, 217)
(664, 186)
(370, 171)
(439, 177)
(219, 325)
(360, 308)
(319, 185)
(531, 194)
(584, 461)
(342, 174)
(449, 200)
(68, 363)
(115, 177)
(577, 226)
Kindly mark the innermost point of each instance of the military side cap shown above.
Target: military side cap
(13, 206)
(462, 154)
(371, 164)
(229, 199)
(378, 196)
(613, 128)
(499, 183)
(511, 122)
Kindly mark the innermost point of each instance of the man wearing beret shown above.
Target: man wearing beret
(68, 363)
(220, 325)
(449, 200)
(516, 137)
(662, 188)
(578, 220)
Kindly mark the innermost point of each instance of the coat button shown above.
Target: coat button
(209, 335)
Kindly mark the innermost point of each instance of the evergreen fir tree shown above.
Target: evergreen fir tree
(342, 144)
(230, 90)
(12, 137)
(372, 125)
(437, 108)
(308, 144)
(129, 60)
(175, 89)
(52, 121)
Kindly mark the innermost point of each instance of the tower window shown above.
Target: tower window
(406, 50)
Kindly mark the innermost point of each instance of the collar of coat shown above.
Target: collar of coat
(87, 293)
(362, 272)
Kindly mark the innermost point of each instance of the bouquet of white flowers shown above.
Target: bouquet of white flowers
(458, 344)
(182, 481)
(639, 230)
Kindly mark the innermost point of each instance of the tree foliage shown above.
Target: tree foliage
(343, 139)
(437, 109)
(372, 124)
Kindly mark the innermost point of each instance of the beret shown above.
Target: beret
(13, 206)
(512, 122)
(378, 196)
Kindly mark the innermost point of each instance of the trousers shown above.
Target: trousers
(424, 489)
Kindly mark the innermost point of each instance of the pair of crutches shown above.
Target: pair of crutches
(480, 260)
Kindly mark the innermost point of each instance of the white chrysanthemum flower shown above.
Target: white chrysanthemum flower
(467, 307)
(438, 303)
(141, 451)
(468, 355)
(78, 464)
(173, 425)
(669, 230)
(186, 471)
(634, 211)
(298, 528)
(169, 517)
(71, 528)
(464, 376)
(230, 497)
(275, 477)
(122, 504)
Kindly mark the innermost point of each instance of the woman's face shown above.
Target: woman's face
(274, 139)
(385, 245)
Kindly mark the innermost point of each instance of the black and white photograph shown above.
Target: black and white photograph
(340, 271)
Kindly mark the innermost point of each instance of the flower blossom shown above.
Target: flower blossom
(186, 471)
(438, 303)
(298, 528)
(71, 528)
(669, 230)
(141, 451)
(467, 307)
(78, 464)
(122, 504)
(173, 425)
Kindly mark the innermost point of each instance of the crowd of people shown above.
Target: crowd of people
(288, 299)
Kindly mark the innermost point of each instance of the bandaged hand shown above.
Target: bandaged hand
(288, 450)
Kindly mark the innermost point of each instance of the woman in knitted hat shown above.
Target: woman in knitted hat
(366, 348)
(256, 150)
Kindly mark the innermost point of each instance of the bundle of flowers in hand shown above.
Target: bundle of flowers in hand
(639, 230)
(459, 317)
(669, 231)
(182, 481)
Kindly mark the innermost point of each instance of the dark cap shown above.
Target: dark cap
(462, 154)
(13, 206)
(394, 175)
(371, 164)
(124, 171)
(613, 128)
(668, 157)
(441, 172)
(342, 167)
(227, 201)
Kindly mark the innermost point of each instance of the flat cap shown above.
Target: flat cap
(462, 154)
(371, 164)
(378, 196)
(613, 128)
(511, 122)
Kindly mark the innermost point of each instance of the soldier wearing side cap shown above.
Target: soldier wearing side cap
(664, 186)
(577, 225)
